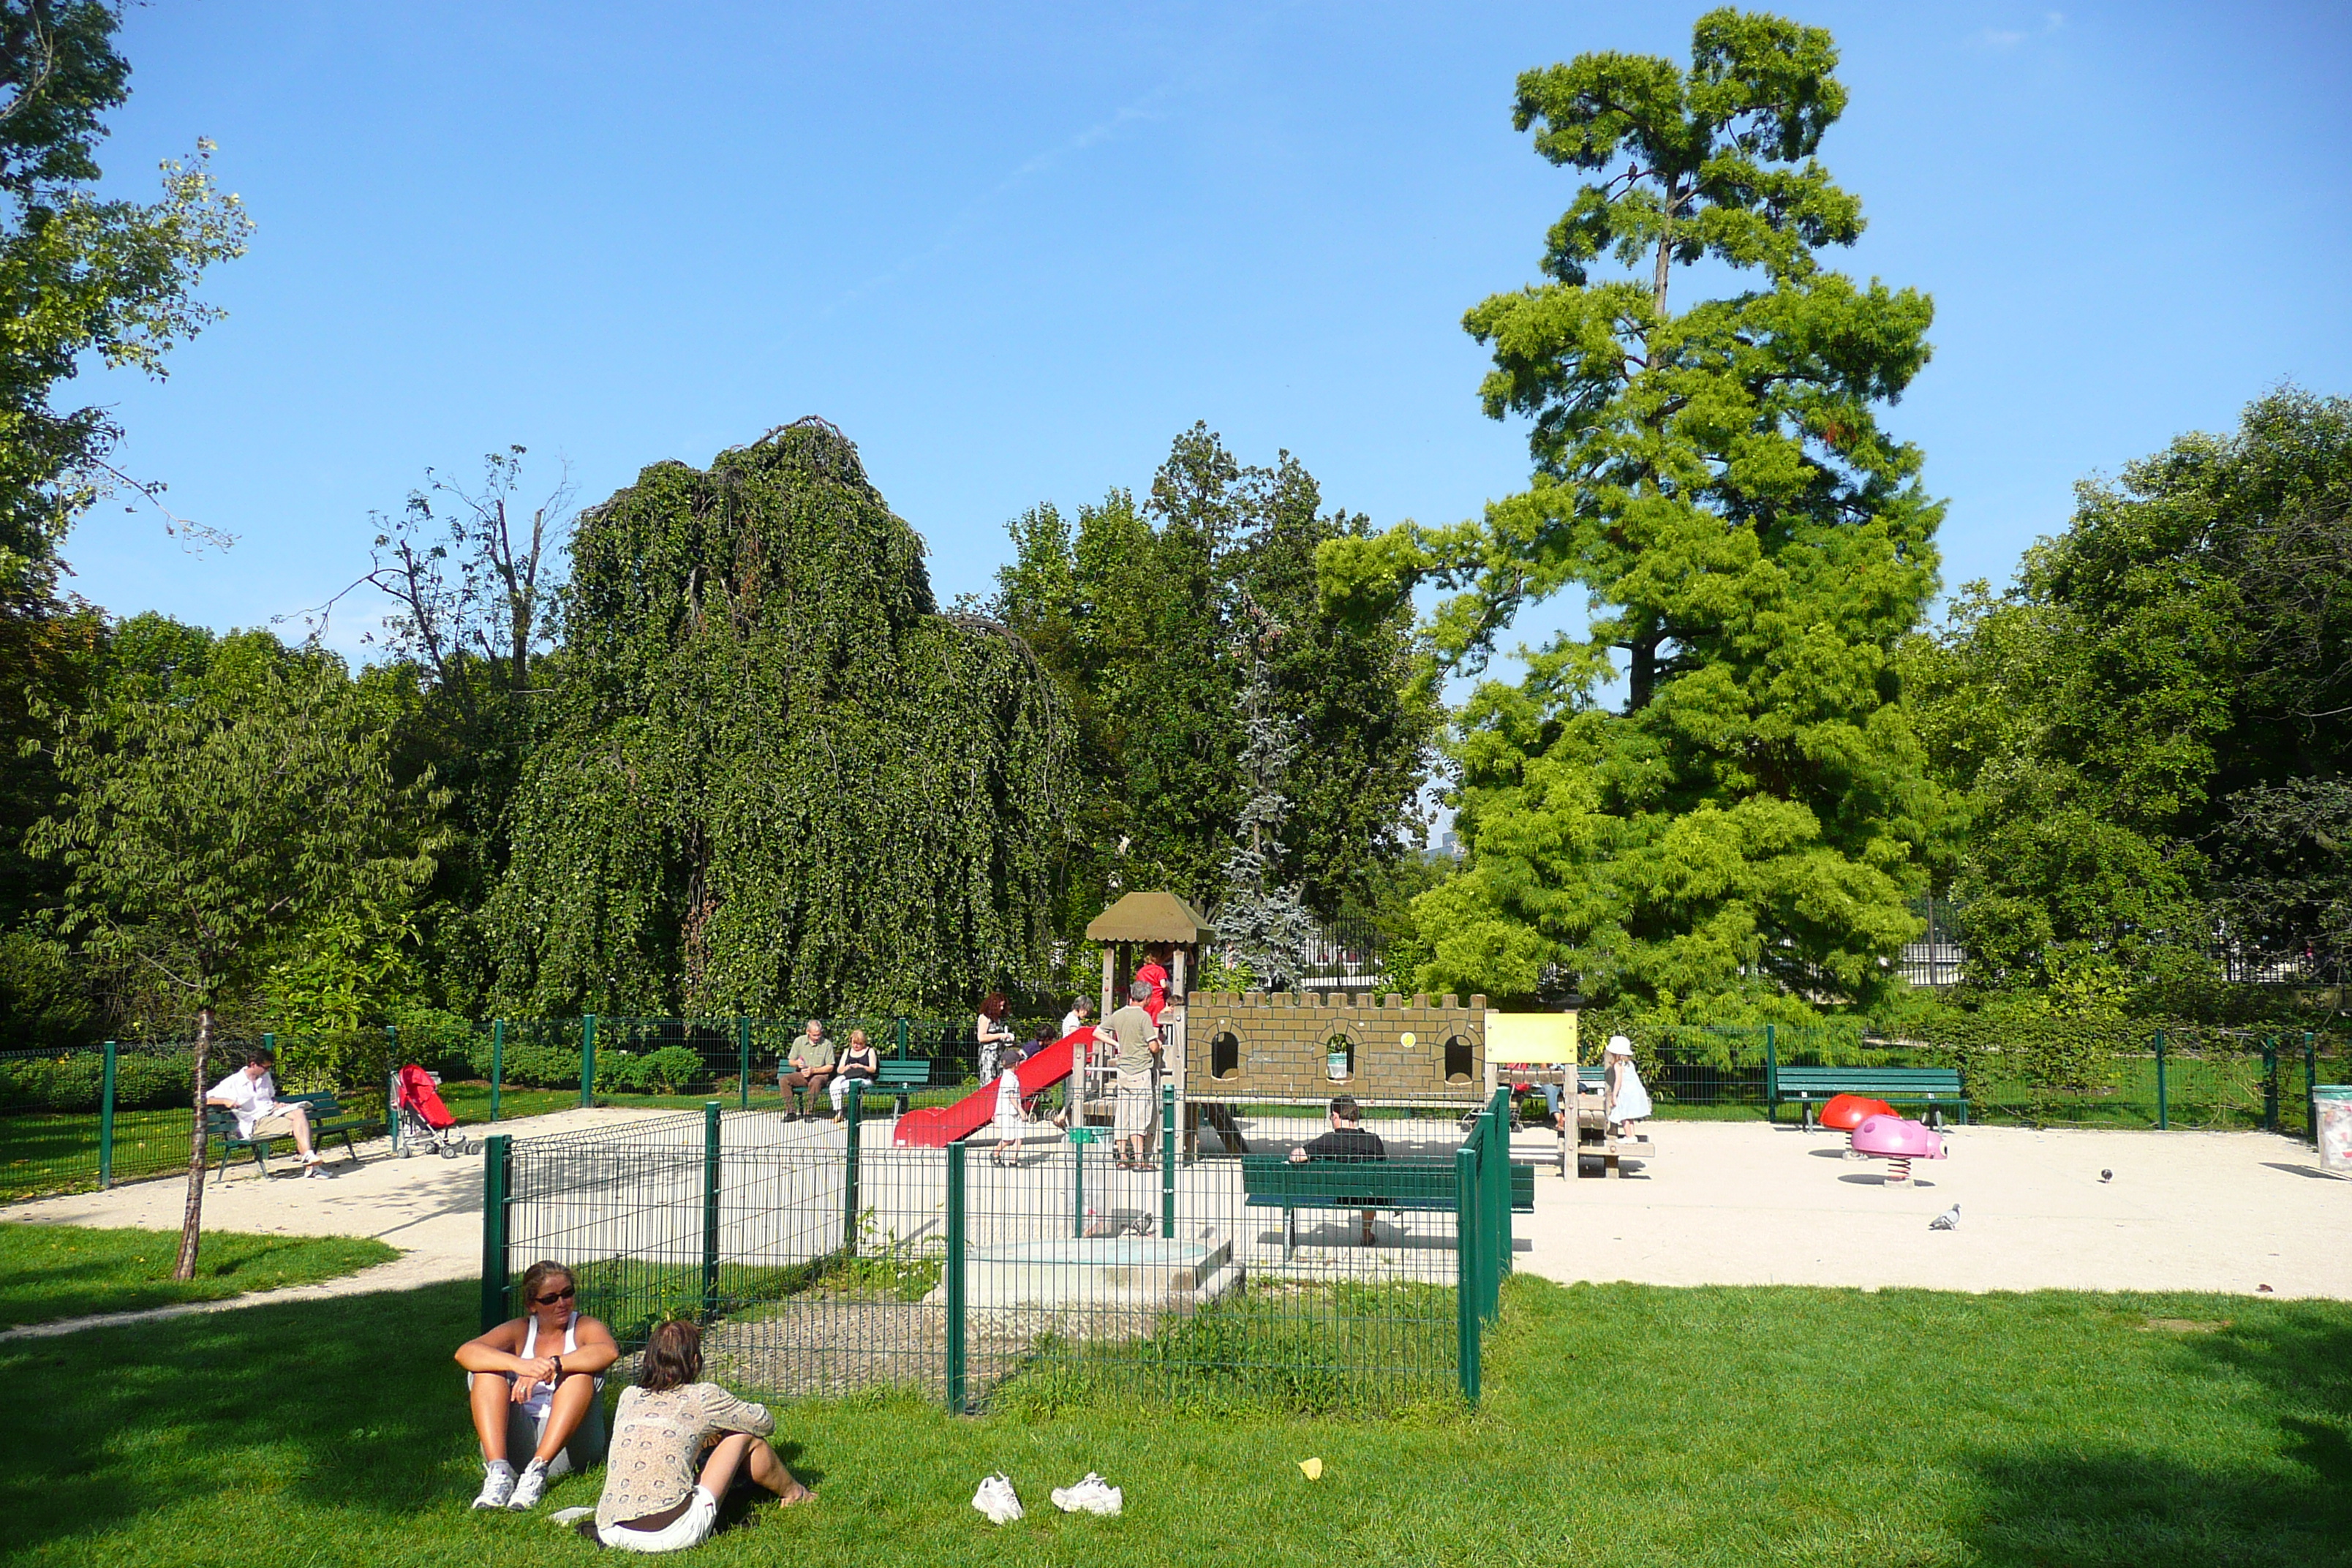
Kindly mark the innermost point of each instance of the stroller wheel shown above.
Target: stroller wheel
(451, 1149)
(405, 1150)
(473, 1146)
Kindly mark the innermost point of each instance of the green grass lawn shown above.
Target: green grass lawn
(52, 1272)
(1623, 1425)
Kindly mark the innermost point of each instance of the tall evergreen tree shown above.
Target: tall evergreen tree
(1746, 831)
(1138, 610)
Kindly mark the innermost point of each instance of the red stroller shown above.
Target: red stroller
(425, 1122)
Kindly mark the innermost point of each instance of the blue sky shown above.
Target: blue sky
(1013, 250)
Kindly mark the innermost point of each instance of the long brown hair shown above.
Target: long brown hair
(996, 1006)
(673, 1356)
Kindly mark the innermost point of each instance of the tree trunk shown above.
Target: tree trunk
(1642, 673)
(192, 1220)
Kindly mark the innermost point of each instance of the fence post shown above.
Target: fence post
(498, 1152)
(1466, 1269)
(856, 1100)
(709, 1210)
(2163, 1101)
(1495, 1159)
(1771, 1069)
(498, 1063)
(105, 1118)
(2311, 1087)
(954, 1279)
(1168, 1160)
(743, 1068)
(392, 1083)
(2270, 1083)
(588, 1060)
(899, 1048)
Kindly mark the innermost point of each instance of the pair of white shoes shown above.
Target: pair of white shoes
(501, 1488)
(997, 1499)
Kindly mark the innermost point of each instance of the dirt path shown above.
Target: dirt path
(429, 1207)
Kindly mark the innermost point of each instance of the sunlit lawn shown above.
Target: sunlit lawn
(49, 1271)
(1621, 1424)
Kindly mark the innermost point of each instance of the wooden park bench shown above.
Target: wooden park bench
(1273, 1181)
(328, 1120)
(1938, 1089)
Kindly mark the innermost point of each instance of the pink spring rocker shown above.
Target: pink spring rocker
(1898, 1141)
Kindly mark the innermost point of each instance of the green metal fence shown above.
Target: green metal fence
(824, 1260)
(90, 1118)
(2178, 1078)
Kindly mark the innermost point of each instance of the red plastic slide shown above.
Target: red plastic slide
(937, 1126)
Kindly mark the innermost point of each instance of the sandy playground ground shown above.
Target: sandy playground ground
(1724, 1203)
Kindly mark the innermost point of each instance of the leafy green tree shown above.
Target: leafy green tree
(80, 276)
(1749, 829)
(202, 826)
(774, 774)
(2146, 726)
(1154, 619)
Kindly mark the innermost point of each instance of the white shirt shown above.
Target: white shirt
(250, 1098)
(1071, 1023)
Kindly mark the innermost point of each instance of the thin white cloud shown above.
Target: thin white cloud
(1143, 108)
(2008, 38)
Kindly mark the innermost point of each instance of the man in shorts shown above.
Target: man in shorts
(1137, 1040)
(250, 1094)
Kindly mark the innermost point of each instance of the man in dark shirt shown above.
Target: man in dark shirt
(1347, 1140)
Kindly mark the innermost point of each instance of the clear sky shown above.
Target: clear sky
(1013, 250)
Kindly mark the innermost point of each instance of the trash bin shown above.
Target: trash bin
(2331, 1117)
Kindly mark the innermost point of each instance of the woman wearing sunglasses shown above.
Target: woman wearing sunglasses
(532, 1382)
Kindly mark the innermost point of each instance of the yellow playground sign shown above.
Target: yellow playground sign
(1534, 1038)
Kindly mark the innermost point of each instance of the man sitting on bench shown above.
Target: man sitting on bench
(1347, 1141)
(251, 1094)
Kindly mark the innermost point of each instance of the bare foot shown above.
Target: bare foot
(798, 1494)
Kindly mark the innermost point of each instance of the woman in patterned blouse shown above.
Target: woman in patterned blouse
(654, 1500)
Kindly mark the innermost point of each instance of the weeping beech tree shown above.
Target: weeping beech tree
(775, 776)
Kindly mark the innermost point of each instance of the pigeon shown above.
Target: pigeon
(1948, 1220)
(2107, 1175)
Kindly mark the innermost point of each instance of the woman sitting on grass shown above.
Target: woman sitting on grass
(654, 1500)
(532, 1382)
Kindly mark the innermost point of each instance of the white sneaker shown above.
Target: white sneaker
(1092, 1495)
(528, 1486)
(497, 1485)
(996, 1498)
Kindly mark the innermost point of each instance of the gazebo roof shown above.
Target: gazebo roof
(1151, 917)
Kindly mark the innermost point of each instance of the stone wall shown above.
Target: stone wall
(1398, 1047)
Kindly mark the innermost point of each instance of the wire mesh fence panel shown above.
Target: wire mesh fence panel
(1021, 1267)
(57, 1134)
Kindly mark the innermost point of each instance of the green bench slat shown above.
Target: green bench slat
(1937, 1086)
(328, 1120)
(1272, 1180)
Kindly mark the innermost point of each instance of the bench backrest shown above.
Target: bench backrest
(904, 1070)
(1879, 1081)
(1427, 1183)
(1276, 1176)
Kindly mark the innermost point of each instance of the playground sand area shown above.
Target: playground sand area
(1724, 1203)
(1742, 1203)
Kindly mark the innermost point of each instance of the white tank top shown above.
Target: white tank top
(543, 1393)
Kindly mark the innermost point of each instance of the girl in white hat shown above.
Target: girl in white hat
(1626, 1101)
